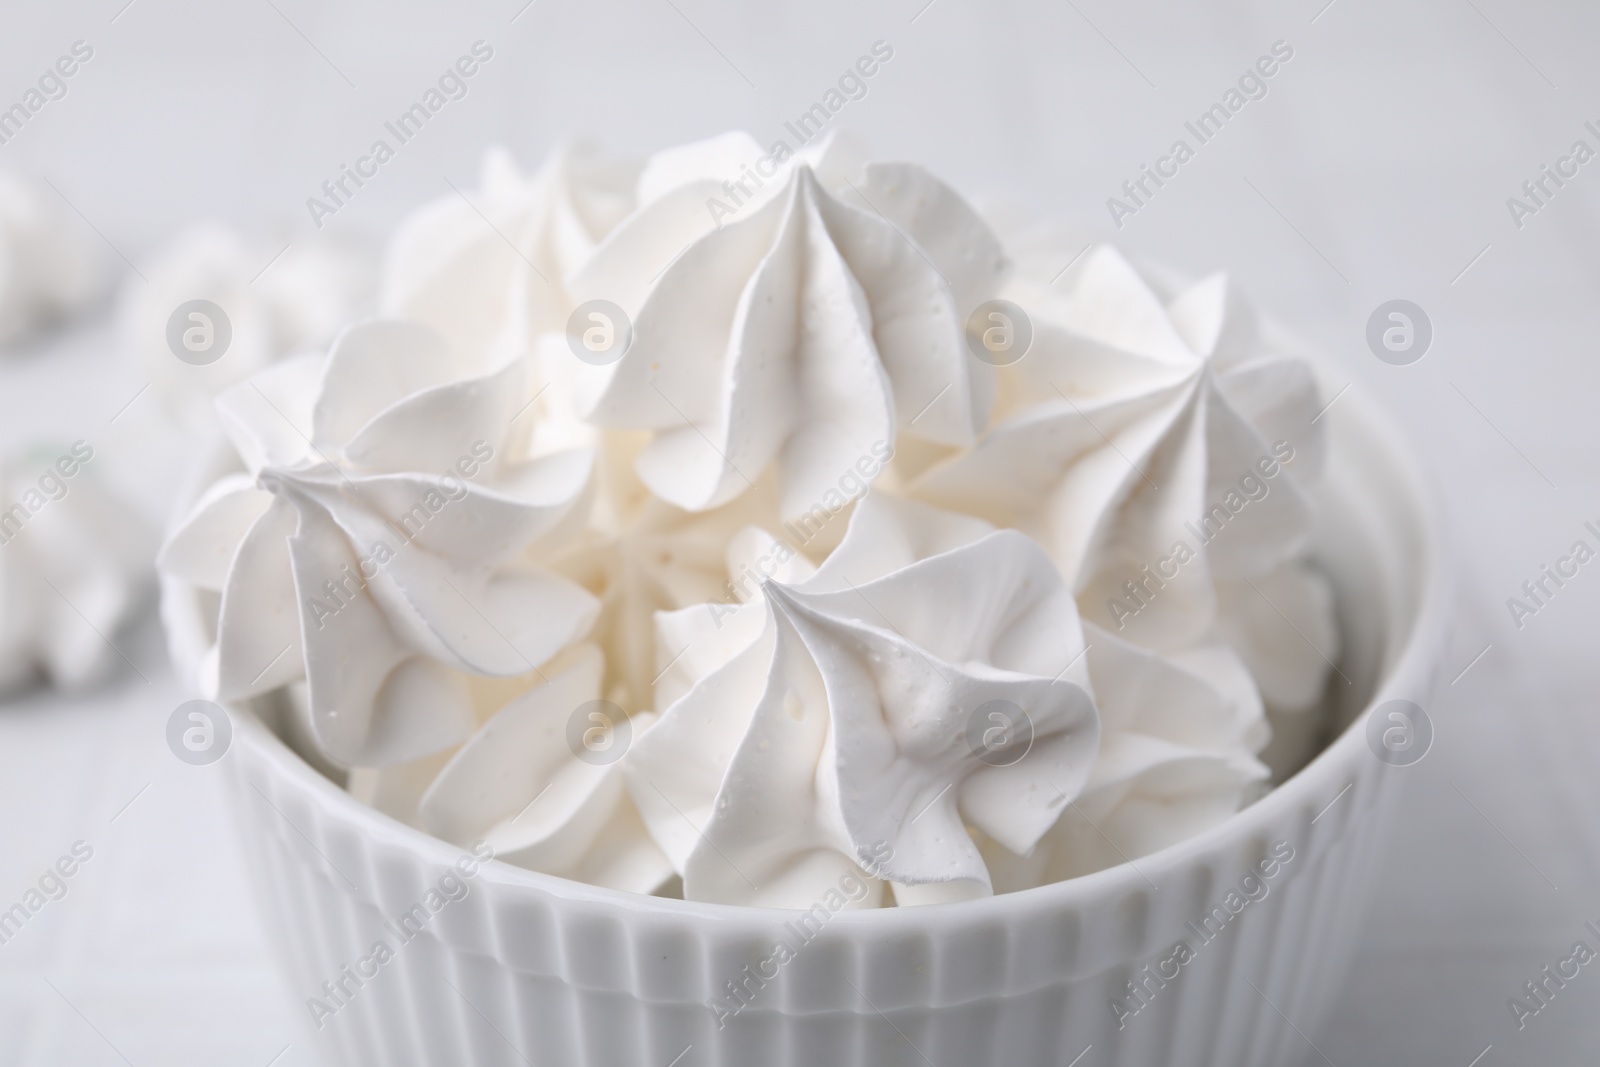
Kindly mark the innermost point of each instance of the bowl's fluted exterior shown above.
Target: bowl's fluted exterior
(530, 969)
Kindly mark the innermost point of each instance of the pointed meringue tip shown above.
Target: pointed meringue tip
(781, 597)
(784, 591)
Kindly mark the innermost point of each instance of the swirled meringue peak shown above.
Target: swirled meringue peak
(488, 270)
(1178, 744)
(792, 319)
(842, 725)
(1135, 424)
(384, 543)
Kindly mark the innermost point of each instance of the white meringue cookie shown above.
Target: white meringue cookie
(489, 273)
(51, 263)
(381, 546)
(488, 270)
(820, 320)
(519, 785)
(1125, 425)
(275, 307)
(1179, 734)
(837, 738)
(74, 563)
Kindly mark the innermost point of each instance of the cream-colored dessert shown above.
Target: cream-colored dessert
(794, 585)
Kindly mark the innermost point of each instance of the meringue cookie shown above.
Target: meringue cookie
(1123, 429)
(1178, 740)
(380, 545)
(275, 307)
(825, 317)
(519, 785)
(834, 734)
(51, 264)
(74, 564)
(489, 273)
(488, 270)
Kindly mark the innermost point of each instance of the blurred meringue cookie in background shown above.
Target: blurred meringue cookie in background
(51, 263)
(74, 567)
(278, 301)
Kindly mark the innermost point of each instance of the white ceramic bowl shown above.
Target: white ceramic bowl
(532, 969)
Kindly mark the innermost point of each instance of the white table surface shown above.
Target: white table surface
(1377, 167)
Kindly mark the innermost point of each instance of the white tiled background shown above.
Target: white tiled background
(1377, 167)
